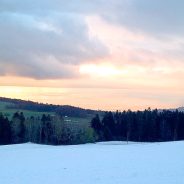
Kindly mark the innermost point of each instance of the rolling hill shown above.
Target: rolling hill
(9, 106)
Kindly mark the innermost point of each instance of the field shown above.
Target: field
(9, 113)
(102, 163)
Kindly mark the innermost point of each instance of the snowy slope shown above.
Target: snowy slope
(103, 163)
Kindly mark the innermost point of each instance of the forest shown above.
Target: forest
(140, 126)
(52, 130)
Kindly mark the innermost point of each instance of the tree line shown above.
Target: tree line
(143, 126)
(52, 130)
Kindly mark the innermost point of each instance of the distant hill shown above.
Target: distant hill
(181, 109)
(64, 110)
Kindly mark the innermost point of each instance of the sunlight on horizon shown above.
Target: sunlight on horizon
(126, 54)
(103, 70)
(97, 99)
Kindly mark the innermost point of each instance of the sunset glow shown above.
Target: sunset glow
(93, 56)
(100, 71)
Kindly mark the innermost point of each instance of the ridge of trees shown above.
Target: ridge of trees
(52, 130)
(141, 126)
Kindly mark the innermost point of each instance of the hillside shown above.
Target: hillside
(9, 105)
(102, 163)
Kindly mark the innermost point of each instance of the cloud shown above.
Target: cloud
(164, 16)
(45, 46)
(159, 18)
(131, 49)
(51, 39)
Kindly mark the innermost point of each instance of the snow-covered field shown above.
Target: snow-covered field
(102, 163)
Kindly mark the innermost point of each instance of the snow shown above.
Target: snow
(102, 163)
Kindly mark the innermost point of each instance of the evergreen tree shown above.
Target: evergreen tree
(5, 130)
(18, 128)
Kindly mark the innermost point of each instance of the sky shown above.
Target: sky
(115, 54)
